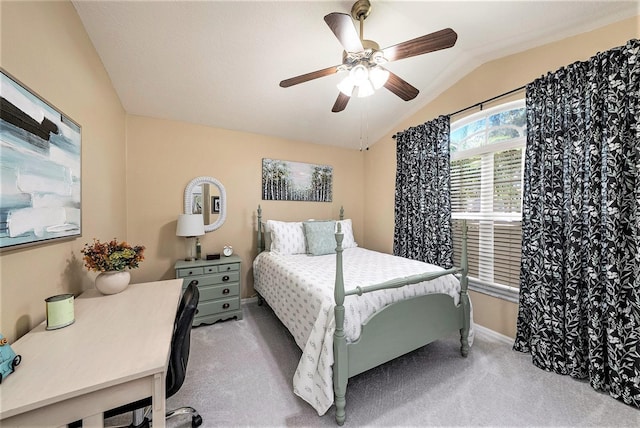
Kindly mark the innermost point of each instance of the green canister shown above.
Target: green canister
(59, 311)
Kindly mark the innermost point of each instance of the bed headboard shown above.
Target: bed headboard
(261, 234)
(260, 231)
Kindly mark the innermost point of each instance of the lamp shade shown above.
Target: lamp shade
(190, 225)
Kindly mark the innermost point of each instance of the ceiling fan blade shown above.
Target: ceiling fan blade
(442, 39)
(400, 87)
(341, 102)
(309, 76)
(342, 26)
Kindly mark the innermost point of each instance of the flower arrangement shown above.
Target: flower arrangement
(111, 256)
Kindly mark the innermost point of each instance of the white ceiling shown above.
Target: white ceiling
(219, 63)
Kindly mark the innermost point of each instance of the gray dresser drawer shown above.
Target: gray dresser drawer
(211, 292)
(196, 271)
(229, 267)
(187, 272)
(218, 306)
(218, 278)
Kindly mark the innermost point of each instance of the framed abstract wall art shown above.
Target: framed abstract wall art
(296, 181)
(40, 169)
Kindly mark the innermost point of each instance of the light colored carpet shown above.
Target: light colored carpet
(240, 375)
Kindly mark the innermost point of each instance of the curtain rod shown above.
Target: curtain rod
(482, 102)
(489, 100)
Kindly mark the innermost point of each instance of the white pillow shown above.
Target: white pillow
(287, 237)
(347, 229)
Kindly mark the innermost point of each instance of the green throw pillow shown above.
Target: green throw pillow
(320, 237)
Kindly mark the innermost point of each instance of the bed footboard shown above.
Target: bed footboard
(397, 329)
(401, 328)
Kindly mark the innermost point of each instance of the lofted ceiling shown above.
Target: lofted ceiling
(219, 63)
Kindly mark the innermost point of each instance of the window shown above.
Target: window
(487, 158)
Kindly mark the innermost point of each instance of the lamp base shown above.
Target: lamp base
(190, 243)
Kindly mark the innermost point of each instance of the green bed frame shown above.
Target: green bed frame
(398, 328)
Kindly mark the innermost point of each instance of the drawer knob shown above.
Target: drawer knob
(225, 278)
(225, 306)
(190, 272)
(225, 291)
(194, 282)
(228, 267)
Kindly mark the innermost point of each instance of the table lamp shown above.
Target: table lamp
(190, 226)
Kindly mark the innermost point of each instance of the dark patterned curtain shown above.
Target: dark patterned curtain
(579, 308)
(423, 196)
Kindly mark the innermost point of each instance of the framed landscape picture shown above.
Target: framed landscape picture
(296, 181)
(40, 169)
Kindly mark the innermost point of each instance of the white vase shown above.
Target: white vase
(112, 282)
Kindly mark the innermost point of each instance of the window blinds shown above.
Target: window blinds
(486, 190)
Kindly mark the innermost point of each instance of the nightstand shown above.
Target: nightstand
(219, 284)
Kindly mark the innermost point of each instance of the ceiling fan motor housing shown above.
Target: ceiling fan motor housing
(371, 55)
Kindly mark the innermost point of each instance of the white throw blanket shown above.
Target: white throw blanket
(299, 289)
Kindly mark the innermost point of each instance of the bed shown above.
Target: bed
(351, 309)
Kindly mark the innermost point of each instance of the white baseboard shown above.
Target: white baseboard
(248, 300)
(494, 334)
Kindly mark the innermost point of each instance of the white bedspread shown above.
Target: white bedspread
(299, 289)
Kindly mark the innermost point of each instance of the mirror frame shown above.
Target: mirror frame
(188, 200)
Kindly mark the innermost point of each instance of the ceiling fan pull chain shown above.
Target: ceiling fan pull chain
(364, 125)
(367, 101)
(361, 114)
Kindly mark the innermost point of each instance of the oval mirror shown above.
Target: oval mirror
(206, 196)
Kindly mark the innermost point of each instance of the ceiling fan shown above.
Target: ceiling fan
(363, 59)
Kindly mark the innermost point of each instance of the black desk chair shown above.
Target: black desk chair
(180, 344)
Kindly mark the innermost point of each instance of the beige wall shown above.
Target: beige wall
(484, 82)
(163, 156)
(44, 45)
(135, 168)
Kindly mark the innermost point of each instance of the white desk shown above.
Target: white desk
(115, 353)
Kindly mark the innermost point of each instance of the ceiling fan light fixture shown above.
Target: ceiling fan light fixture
(378, 77)
(366, 80)
(346, 86)
(365, 89)
(359, 74)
